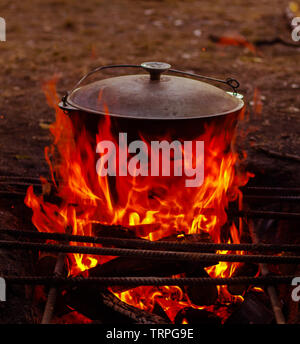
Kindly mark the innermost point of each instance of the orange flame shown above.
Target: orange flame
(87, 199)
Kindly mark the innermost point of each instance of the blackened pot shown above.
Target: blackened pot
(154, 105)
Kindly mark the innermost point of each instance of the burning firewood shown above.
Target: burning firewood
(107, 308)
(123, 266)
(127, 266)
(124, 231)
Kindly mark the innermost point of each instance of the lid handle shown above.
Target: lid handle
(155, 69)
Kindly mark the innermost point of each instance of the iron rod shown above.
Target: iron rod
(287, 198)
(249, 213)
(274, 198)
(151, 254)
(262, 214)
(271, 189)
(138, 243)
(276, 306)
(245, 188)
(137, 281)
(52, 295)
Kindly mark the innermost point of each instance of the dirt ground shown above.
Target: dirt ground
(68, 38)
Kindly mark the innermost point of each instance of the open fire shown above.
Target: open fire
(162, 206)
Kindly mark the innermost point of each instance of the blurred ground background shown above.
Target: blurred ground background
(68, 38)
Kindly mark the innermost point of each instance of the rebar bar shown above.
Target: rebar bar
(21, 183)
(275, 198)
(151, 254)
(231, 213)
(33, 179)
(247, 187)
(155, 281)
(278, 189)
(145, 244)
(12, 193)
(276, 306)
(264, 214)
(52, 295)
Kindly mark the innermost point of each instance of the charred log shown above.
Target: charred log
(243, 270)
(119, 231)
(201, 295)
(254, 310)
(103, 306)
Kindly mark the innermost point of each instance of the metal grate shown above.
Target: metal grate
(15, 187)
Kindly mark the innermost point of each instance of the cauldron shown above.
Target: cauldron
(154, 105)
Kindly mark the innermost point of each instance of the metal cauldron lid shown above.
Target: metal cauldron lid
(160, 96)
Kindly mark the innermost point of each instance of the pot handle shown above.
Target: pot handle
(98, 69)
(155, 69)
(233, 83)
